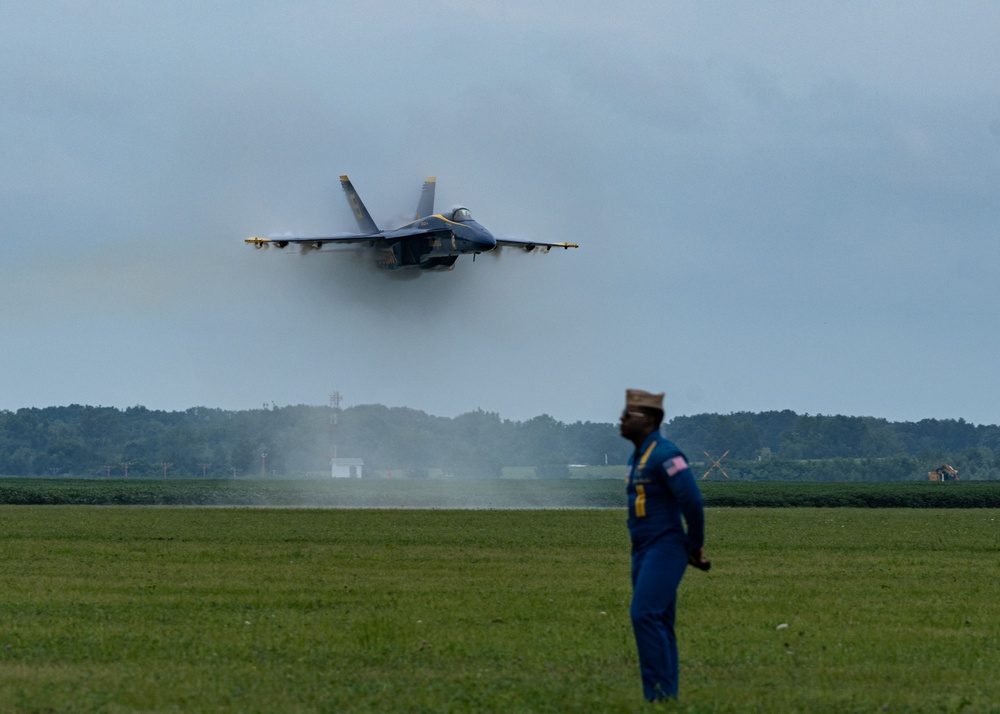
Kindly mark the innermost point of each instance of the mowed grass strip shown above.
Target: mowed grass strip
(114, 609)
(886, 610)
(165, 609)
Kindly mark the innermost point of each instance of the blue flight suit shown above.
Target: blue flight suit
(661, 489)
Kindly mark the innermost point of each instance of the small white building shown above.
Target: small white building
(346, 468)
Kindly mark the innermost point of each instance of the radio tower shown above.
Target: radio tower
(334, 415)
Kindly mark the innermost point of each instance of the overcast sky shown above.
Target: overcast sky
(779, 205)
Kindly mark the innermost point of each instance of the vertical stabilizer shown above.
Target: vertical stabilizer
(365, 223)
(426, 206)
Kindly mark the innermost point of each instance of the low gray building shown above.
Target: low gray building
(346, 468)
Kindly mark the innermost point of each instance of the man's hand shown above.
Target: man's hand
(696, 557)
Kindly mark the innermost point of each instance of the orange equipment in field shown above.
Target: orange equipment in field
(715, 464)
(944, 472)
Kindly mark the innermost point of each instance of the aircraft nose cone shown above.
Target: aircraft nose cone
(485, 242)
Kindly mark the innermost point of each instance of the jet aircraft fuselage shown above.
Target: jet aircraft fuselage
(439, 248)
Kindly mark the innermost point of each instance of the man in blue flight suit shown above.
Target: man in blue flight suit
(661, 490)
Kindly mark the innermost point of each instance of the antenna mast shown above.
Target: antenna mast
(334, 417)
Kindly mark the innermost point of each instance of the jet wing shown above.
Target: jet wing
(385, 238)
(317, 242)
(530, 245)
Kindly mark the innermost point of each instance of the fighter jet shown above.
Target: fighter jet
(431, 241)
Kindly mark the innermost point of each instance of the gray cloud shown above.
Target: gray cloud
(777, 207)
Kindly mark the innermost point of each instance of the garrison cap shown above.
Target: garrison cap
(638, 399)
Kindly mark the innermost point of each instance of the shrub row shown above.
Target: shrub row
(493, 494)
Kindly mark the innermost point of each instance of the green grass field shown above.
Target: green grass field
(122, 609)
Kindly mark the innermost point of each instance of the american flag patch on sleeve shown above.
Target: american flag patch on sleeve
(675, 465)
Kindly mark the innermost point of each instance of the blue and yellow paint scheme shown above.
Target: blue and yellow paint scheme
(431, 241)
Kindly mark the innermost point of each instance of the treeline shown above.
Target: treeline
(295, 440)
(788, 435)
(300, 440)
(785, 446)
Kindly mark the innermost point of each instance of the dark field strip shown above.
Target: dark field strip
(486, 494)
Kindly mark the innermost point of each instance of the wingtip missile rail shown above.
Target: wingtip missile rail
(265, 242)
